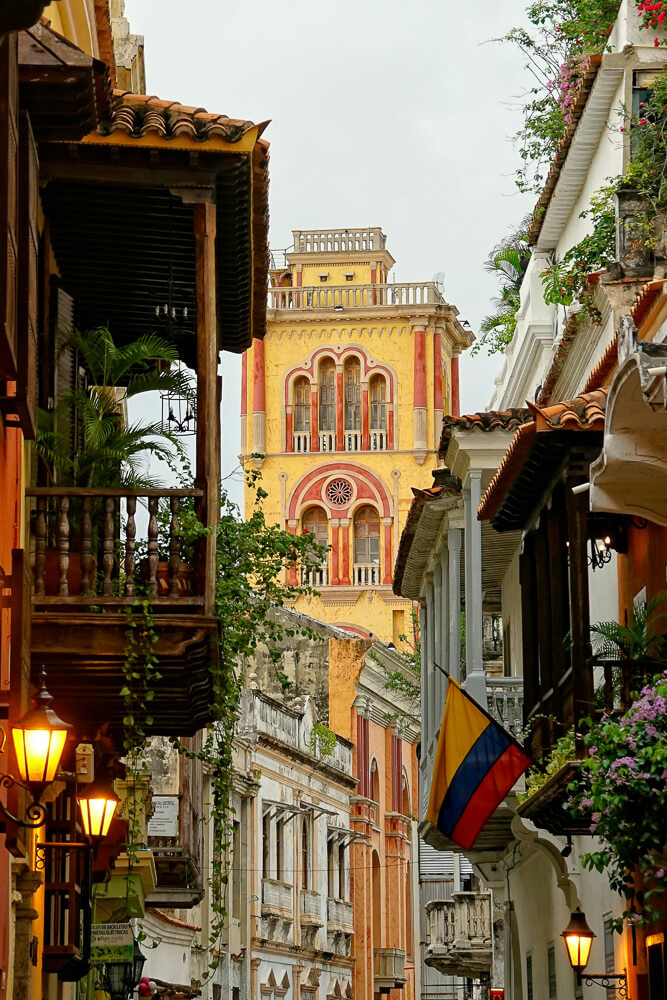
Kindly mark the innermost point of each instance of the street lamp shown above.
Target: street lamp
(578, 938)
(39, 740)
(98, 803)
(120, 979)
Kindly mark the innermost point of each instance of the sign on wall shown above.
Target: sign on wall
(111, 943)
(164, 821)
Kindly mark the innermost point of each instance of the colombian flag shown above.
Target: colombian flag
(476, 764)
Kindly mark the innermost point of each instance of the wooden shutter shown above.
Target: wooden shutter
(62, 319)
(28, 243)
(19, 681)
(8, 203)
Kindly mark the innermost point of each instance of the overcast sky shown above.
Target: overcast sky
(387, 114)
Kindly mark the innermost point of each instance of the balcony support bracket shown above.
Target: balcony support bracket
(530, 836)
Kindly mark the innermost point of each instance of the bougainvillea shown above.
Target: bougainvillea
(621, 785)
(652, 13)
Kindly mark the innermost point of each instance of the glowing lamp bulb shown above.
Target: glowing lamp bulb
(39, 740)
(578, 939)
(98, 804)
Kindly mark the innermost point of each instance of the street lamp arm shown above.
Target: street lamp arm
(35, 812)
(607, 980)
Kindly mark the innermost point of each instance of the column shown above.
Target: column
(438, 408)
(292, 526)
(388, 568)
(429, 666)
(419, 418)
(335, 579)
(580, 650)
(424, 764)
(454, 603)
(289, 433)
(314, 420)
(345, 562)
(208, 410)
(443, 647)
(475, 682)
(258, 399)
(244, 403)
(340, 444)
(365, 436)
(456, 397)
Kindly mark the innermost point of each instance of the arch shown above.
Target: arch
(352, 393)
(405, 794)
(301, 404)
(326, 385)
(377, 401)
(310, 366)
(309, 489)
(377, 900)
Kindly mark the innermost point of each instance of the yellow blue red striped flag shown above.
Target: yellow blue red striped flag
(476, 764)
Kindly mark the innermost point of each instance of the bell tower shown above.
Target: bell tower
(342, 406)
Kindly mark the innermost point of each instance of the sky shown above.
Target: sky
(390, 114)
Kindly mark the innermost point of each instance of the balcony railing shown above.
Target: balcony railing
(339, 757)
(277, 896)
(311, 905)
(388, 969)
(338, 240)
(459, 934)
(301, 442)
(353, 441)
(342, 297)
(86, 549)
(505, 703)
(340, 914)
(378, 440)
(366, 574)
(327, 441)
(315, 577)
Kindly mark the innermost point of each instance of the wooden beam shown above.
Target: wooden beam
(208, 410)
(580, 654)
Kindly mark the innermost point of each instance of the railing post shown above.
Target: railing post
(174, 547)
(107, 557)
(152, 546)
(63, 547)
(40, 545)
(130, 546)
(86, 549)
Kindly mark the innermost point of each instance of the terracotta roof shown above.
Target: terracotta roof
(174, 921)
(589, 73)
(645, 299)
(138, 115)
(421, 499)
(489, 420)
(604, 367)
(583, 413)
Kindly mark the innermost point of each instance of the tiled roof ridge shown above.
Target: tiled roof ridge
(421, 497)
(589, 72)
(140, 114)
(645, 299)
(484, 421)
(584, 412)
(168, 919)
(604, 367)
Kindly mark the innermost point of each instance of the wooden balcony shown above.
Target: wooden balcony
(459, 935)
(96, 553)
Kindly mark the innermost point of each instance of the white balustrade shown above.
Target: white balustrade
(337, 240)
(366, 574)
(459, 934)
(311, 903)
(315, 577)
(301, 442)
(341, 297)
(277, 894)
(352, 440)
(378, 440)
(327, 441)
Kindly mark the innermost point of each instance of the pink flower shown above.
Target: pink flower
(656, 42)
(642, 121)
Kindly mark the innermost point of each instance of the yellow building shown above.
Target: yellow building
(342, 406)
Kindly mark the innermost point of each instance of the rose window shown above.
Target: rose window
(339, 492)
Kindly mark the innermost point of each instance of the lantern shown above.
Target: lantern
(39, 740)
(98, 803)
(578, 939)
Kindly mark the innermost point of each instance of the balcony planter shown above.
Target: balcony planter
(634, 230)
(547, 806)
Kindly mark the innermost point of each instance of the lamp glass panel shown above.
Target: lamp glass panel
(38, 753)
(578, 948)
(96, 815)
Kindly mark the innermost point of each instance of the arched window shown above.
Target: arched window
(352, 394)
(366, 547)
(374, 783)
(405, 796)
(305, 851)
(378, 397)
(327, 395)
(301, 405)
(314, 522)
(377, 901)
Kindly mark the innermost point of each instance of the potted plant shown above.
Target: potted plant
(629, 653)
(87, 441)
